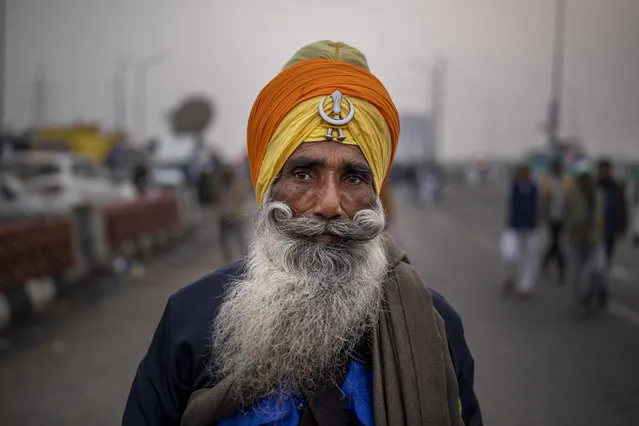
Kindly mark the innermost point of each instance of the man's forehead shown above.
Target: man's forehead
(329, 153)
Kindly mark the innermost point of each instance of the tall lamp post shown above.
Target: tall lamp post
(490, 124)
(556, 84)
(120, 110)
(3, 32)
(438, 103)
(142, 69)
(437, 82)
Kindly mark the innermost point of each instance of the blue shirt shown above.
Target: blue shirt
(357, 388)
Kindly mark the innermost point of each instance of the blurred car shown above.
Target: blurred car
(168, 176)
(37, 183)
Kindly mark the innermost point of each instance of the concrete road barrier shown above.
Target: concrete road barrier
(35, 255)
(41, 258)
(133, 227)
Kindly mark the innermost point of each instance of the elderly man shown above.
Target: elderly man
(324, 322)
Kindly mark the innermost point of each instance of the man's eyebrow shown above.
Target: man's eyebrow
(360, 168)
(306, 162)
(348, 166)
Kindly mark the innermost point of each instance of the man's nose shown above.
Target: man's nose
(329, 201)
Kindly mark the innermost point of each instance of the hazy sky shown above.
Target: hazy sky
(498, 55)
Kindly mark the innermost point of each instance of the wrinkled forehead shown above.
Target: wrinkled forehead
(329, 154)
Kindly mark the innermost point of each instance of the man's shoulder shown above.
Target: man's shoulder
(447, 312)
(210, 286)
(192, 308)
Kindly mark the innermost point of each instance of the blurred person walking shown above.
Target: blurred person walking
(143, 166)
(233, 193)
(615, 210)
(553, 197)
(634, 215)
(204, 186)
(520, 240)
(413, 183)
(584, 218)
(635, 226)
(141, 177)
(428, 184)
(114, 160)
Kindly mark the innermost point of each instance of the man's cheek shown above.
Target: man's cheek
(296, 198)
(361, 199)
(278, 190)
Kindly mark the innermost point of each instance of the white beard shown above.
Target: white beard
(288, 323)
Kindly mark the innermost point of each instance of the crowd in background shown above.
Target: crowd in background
(585, 213)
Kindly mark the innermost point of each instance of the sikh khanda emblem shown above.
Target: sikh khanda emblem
(337, 119)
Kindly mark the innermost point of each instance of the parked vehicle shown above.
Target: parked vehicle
(37, 183)
(86, 139)
(169, 175)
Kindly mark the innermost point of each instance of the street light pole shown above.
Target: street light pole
(40, 99)
(437, 72)
(489, 128)
(437, 104)
(556, 84)
(3, 32)
(120, 121)
(142, 69)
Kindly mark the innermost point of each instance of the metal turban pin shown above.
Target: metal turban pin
(336, 120)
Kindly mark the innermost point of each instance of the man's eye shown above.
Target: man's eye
(302, 176)
(353, 180)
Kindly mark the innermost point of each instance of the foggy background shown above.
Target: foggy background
(497, 52)
(123, 149)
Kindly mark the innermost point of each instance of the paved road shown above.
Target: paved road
(537, 365)
(484, 207)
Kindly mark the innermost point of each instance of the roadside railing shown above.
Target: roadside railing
(33, 249)
(40, 257)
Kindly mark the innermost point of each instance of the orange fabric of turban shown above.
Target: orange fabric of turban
(307, 80)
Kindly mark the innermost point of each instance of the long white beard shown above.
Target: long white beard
(289, 322)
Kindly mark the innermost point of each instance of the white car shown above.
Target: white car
(168, 176)
(37, 183)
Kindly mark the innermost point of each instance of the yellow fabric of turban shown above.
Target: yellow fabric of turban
(285, 115)
(367, 130)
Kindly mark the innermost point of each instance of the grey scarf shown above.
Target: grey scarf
(414, 381)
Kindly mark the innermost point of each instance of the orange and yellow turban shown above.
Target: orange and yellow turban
(285, 115)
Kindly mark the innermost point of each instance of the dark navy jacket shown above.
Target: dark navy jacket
(616, 214)
(523, 207)
(175, 364)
